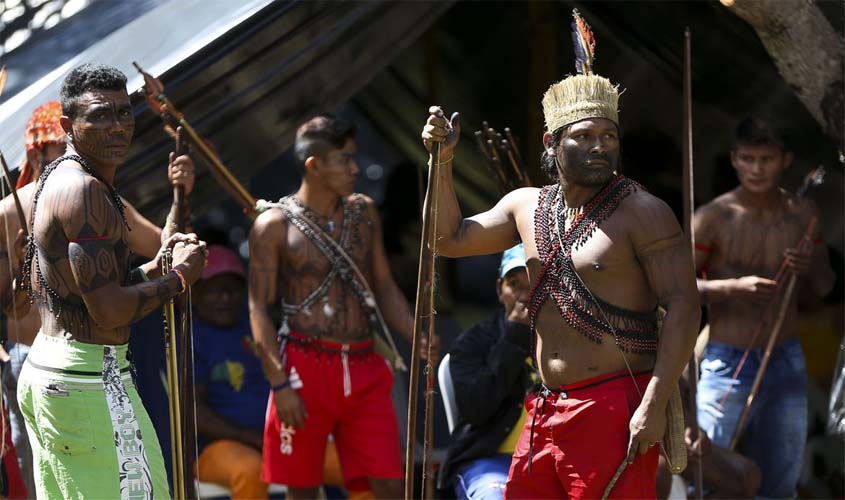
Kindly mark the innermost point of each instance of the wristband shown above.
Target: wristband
(181, 279)
(279, 387)
(445, 161)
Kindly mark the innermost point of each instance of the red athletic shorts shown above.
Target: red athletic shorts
(580, 438)
(346, 395)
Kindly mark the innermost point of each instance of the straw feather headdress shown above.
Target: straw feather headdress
(585, 95)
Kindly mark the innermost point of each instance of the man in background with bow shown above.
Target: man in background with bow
(742, 238)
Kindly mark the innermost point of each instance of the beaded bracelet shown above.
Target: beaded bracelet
(279, 387)
(181, 279)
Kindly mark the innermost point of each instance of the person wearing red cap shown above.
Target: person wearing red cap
(231, 391)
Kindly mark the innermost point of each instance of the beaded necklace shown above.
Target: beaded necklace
(314, 216)
(558, 232)
(340, 267)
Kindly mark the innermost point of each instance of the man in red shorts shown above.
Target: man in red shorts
(602, 255)
(319, 251)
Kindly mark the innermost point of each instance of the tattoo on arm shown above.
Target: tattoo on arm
(152, 294)
(668, 266)
(93, 263)
(171, 225)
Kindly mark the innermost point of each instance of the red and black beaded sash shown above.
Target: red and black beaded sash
(636, 331)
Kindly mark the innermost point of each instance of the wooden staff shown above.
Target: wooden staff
(160, 103)
(423, 325)
(689, 211)
(174, 400)
(181, 397)
(186, 340)
(18, 206)
(806, 244)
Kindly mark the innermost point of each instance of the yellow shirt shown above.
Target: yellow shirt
(509, 444)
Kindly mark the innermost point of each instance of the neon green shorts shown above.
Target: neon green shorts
(91, 436)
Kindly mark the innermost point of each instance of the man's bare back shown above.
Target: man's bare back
(738, 240)
(62, 215)
(82, 255)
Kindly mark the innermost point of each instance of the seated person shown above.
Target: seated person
(491, 371)
(231, 392)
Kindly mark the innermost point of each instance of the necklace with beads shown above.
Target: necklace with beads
(315, 216)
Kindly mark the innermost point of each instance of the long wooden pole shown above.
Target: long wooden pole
(689, 211)
(187, 401)
(174, 398)
(18, 206)
(773, 338)
(423, 325)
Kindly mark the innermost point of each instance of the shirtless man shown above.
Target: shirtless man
(628, 249)
(90, 435)
(45, 141)
(328, 379)
(742, 237)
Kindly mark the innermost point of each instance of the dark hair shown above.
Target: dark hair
(756, 131)
(86, 77)
(548, 163)
(319, 135)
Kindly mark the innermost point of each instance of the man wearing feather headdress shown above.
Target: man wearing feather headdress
(602, 255)
(742, 239)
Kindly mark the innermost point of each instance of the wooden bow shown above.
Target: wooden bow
(173, 118)
(18, 207)
(423, 325)
(689, 211)
(181, 397)
(6, 173)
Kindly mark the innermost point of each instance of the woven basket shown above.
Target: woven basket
(673, 443)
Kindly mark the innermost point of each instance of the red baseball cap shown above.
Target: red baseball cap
(221, 260)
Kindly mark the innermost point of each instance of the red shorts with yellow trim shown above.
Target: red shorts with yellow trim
(580, 438)
(346, 394)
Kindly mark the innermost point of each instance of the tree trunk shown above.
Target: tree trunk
(807, 51)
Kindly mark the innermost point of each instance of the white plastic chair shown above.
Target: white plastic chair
(447, 392)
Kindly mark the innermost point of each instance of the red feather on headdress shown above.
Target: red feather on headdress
(584, 44)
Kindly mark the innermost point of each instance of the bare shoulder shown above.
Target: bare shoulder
(520, 200)
(269, 224)
(650, 220)
(78, 200)
(718, 208)
(644, 206)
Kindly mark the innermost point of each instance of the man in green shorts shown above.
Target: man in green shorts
(90, 434)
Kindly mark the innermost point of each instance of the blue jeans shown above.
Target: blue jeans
(776, 429)
(483, 479)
